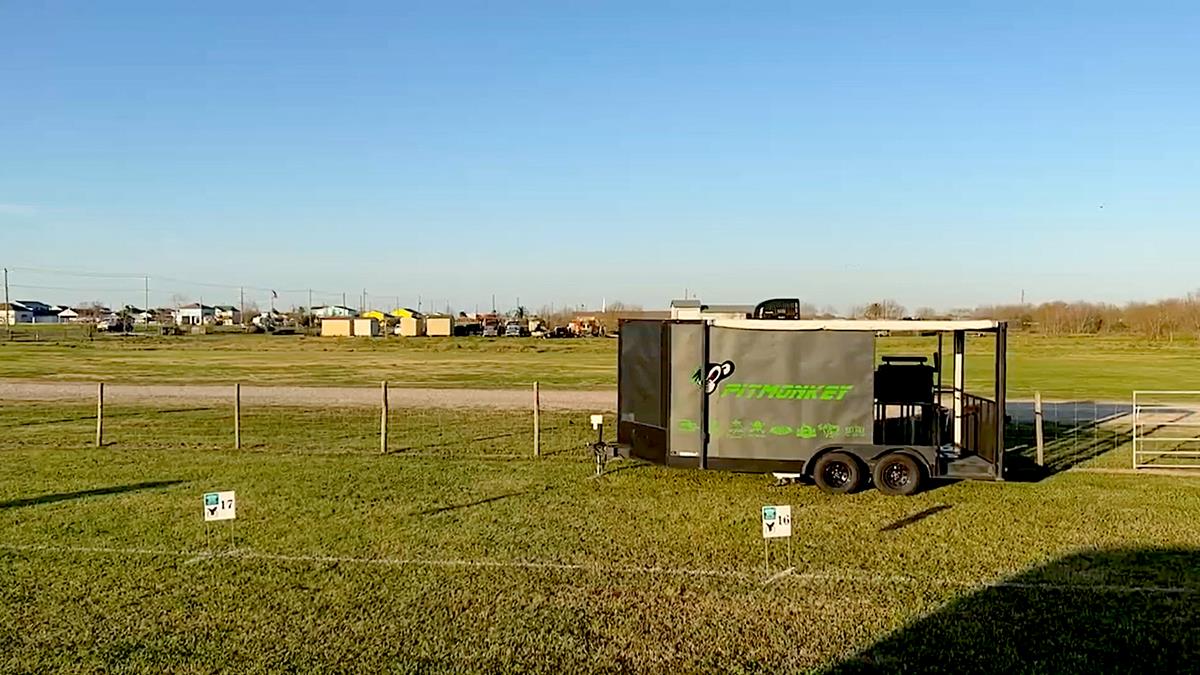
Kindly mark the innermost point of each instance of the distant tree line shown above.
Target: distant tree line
(1161, 320)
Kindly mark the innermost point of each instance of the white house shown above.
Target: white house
(42, 313)
(14, 313)
(68, 315)
(27, 311)
(195, 314)
(227, 315)
(328, 311)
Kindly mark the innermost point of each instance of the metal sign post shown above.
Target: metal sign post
(776, 523)
(220, 506)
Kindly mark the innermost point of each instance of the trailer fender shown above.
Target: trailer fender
(916, 457)
(812, 461)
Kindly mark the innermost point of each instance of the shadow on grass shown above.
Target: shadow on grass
(478, 502)
(914, 518)
(1113, 611)
(1066, 445)
(64, 496)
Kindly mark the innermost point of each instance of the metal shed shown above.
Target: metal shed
(809, 398)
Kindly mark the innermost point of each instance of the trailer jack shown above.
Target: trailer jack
(602, 450)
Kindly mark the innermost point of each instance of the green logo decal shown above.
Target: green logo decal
(738, 428)
(211, 499)
(797, 392)
(768, 513)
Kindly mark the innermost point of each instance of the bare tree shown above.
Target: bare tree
(883, 309)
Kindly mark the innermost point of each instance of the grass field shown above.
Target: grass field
(1106, 368)
(459, 552)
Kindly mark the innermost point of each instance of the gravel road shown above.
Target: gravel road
(310, 396)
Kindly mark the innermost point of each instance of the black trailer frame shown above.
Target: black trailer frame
(962, 440)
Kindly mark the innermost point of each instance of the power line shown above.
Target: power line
(89, 289)
(102, 275)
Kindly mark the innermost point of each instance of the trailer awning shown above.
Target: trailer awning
(859, 325)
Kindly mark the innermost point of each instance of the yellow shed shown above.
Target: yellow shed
(341, 326)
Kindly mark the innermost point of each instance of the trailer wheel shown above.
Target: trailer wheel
(897, 474)
(838, 473)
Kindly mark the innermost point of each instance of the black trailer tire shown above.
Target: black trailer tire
(838, 473)
(897, 474)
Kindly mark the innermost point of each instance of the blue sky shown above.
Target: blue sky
(940, 154)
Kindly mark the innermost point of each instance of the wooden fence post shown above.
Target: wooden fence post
(537, 421)
(99, 414)
(237, 416)
(383, 417)
(1037, 428)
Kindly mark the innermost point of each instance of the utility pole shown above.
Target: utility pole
(242, 304)
(146, 297)
(343, 298)
(418, 303)
(9, 314)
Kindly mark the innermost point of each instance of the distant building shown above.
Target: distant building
(366, 327)
(15, 312)
(227, 315)
(327, 311)
(439, 326)
(40, 312)
(685, 310)
(28, 311)
(337, 326)
(195, 314)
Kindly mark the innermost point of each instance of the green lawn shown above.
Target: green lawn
(314, 361)
(460, 552)
(1107, 368)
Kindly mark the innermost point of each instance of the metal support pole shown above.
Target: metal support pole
(99, 414)
(383, 417)
(960, 347)
(704, 396)
(237, 416)
(1001, 377)
(537, 420)
(1037, 428)
(9, 313)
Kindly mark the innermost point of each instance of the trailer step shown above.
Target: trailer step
(971, 467)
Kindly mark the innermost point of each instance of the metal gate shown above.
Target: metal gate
(1166, 429)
